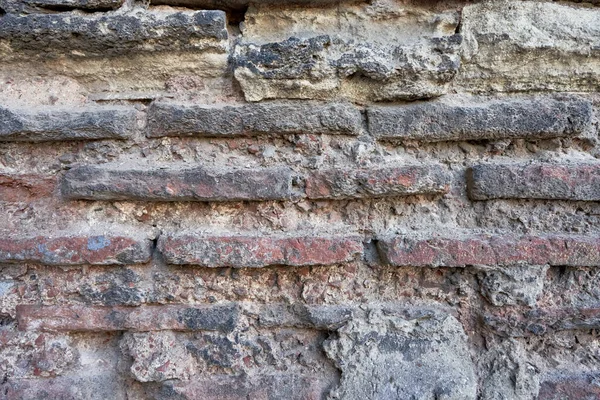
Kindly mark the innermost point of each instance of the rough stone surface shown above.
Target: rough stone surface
(381, 182)
(50, 35)
(567, 385)
(40, 6)
(455, 120)
(568, 181)
(243, 4)
(554, 46)
(149, 318)
(502, 250)
(417, 353)
(60, 123)
(168, 119)
(185, 184)
(248, 251)
(518, 285)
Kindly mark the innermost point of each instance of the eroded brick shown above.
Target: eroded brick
(112, 34)
(25, 187)
(258, 251)
(73, 249)
(463, 250)
(82, 318)
(33, 6)
(570, 386)
(185, 184)
(542, 321)
(456, 119)
(549, 181)
(50, 123)
(169, 119)
(378, 182)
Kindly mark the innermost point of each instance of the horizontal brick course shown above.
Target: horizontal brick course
(377, 182)
(189, 184)
(25, 187)
(568, 181)
(58, 123)
(170, 119)
(508, 249)
(258, 251)
(15, 6)
(72, 249)
(84, 318)
(542, 321)
(539, 118)
(114, 34)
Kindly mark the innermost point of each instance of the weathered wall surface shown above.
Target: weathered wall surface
(299, 199)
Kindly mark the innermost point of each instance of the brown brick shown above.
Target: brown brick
(76, 249)
(191, 184)
(59, 123)
(25, 187)
(456, 120)
(258, 251)
(83, 318)
(542, 321)
(570, 386)
(461, 250)
(171, 119)
(377, 182)
(569, 181)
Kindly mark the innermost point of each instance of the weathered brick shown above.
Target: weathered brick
(568, 181)
(169, 119)
(462, 250)
(258, 251)
(243, 4)
(449, 120)
(293, 386)
(186, 184)
(43, 124)
(570, 386)
(529, 46)
(377, 182)
(112, 34)
(73, 249)
(542, 321)
(299, 315)
(33, 6)
(25, 187)
(92, 387)
(84, 318)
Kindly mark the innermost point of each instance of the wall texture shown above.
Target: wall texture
(299, 199)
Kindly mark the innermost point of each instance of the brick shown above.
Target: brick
(378, 182)
(515, 46)
(25, 187)
(112, 34)
(84, 318)
(570, 386)
(243, 4)
(299, 315)
(288, 385)
(548, 181)
(542, 321)
(169, 119)
(73, 249)
(57, 123)
(481, 249)
(189, 184)
(454, 120)
(258, 251)
(95, 387)
(33, 6)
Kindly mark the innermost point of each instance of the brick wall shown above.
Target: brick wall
(299, 199)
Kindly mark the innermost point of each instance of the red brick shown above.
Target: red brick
(569, 181)
(542, 321)
(25, 187)
(258, 251)
(82, 318)
(377, 182)
(190, 184)
(570, 386)
(460, 250)
(76, 250)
